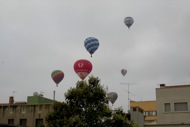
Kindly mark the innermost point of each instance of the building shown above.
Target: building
(137, 116)
(149, 108)
(26, 114)
(173, 105)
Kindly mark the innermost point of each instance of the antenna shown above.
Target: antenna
(128, 91)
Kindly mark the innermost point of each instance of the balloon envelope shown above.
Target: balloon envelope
(123, 72)
(57, 76)
(112, 97)
(82, 67)
(91, 44)
(128, 21)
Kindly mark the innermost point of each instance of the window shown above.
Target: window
(39, 122)
(167, 107)
(11, 109)
(11, 121)
(145, 113)
(181, 106)
(134, 109)
(40, 109)
(154, 113)
(23, 122)
(150, 113)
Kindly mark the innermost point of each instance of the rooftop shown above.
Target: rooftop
(174, 86)
(145, 105)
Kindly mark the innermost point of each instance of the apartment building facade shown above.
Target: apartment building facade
(26, 114)
(173, 105)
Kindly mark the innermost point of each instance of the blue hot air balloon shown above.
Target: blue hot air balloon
(91, 44)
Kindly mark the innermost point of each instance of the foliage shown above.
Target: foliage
(119, 119)
(86, 106)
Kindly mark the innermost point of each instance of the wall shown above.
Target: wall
(137, 116)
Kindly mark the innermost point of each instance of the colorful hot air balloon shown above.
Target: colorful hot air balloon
(82, 67)
(112, 97)
(57, 76)
(128, 21)
(123, 72)
(91, 44)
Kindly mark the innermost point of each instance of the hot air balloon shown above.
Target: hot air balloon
(112, 97)
(123, 72)
(91, 44)
(57, 76)
(82, 67)
(128, 21)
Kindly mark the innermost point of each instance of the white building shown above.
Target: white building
(173, 105)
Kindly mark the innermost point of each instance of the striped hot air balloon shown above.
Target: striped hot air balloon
(91, 44)
(57, 76)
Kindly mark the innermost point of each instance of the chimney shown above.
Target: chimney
(162, 85)
(11, 100)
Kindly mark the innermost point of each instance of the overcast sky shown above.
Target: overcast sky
(39, 36)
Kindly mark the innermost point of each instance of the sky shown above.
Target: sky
(40, 36)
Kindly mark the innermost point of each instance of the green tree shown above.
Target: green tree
(86, 106)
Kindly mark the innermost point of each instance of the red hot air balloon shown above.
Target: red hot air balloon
(57, 76)
(82, 67)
